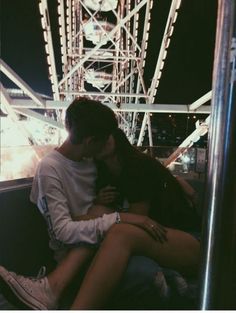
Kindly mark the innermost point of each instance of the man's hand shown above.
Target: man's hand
(157, 231)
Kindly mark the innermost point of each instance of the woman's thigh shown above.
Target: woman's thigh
(181, 251)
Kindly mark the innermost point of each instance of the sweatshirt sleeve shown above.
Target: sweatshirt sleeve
(53, 204)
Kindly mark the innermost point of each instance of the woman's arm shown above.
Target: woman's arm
(157, 231)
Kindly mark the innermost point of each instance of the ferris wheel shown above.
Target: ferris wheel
(104, 46)
(103, 54)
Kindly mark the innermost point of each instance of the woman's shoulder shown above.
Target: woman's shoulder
(145, 165)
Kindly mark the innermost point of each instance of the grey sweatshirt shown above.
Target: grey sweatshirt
(63, 189)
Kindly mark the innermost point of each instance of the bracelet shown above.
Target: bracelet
(118, 220)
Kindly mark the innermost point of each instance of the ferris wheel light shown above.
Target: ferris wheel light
(60, 21)
(164, 55)
(175, 17)
(59, 10)
(178, 4)
(48, 60)
(47, 49)
(162, 65)
(159, 75)
(45, 36)
(43, 23)
(167, 43)
(41, 8)
(171, 31)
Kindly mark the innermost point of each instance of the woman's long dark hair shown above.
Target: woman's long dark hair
(174, 198)
(124, 149)
(127, 152)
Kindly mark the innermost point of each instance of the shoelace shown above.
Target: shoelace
(41, 274)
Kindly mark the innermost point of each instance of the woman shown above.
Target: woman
(151, 190)
(142, 179)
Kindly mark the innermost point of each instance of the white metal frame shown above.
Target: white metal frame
(127, 94)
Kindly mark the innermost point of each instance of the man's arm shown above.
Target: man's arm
(53, 203)
(94, 212)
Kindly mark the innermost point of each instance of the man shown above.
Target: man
(64, 191)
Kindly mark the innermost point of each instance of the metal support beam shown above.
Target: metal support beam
(45, 20)
(125, 107)
(109, 36)
(201, 130)
(142, 131)
(41, 118)
(6, 102)
(173, 13)
(218, 289)
(196, 104)
(21, 84)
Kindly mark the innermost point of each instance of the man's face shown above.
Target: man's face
(99, 149)
(93, 147)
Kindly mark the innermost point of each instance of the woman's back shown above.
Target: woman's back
(144, 179)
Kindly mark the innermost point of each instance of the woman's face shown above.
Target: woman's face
(107, 150)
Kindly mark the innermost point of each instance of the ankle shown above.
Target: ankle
(55, 287)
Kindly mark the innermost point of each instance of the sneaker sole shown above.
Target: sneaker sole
(13, 296)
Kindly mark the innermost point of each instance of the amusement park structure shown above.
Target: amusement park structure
(103, 55)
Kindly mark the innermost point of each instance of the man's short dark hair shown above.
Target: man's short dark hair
(86, 117)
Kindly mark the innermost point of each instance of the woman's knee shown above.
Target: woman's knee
(123, 233)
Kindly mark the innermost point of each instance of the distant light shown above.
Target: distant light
(194, 116)
(186, 158)
(170, 115)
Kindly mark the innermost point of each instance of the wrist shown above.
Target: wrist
(118, 218)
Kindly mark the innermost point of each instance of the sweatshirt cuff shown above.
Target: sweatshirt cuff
(109, 220)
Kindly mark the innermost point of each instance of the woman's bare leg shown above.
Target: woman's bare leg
(73, 262)
(180, 252)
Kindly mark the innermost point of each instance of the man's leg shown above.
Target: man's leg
(44, 293)
(64, 273)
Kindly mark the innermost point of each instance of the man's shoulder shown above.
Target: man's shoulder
(49, 162)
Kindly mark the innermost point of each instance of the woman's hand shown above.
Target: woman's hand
(157, 231)
(106, 195)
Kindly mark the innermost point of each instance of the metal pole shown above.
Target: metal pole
(218, 275)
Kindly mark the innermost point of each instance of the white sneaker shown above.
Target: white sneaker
(35, 293)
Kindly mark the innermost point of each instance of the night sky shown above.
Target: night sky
(188, 68)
